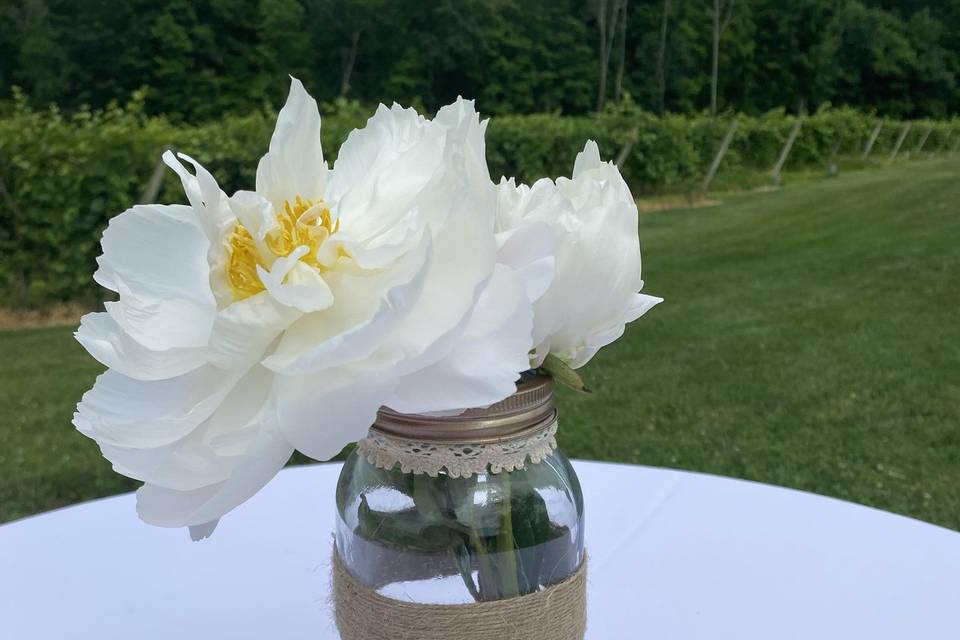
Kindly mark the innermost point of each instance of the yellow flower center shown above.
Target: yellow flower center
(301, 223)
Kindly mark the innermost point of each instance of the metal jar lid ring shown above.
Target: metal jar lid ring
(527, 411)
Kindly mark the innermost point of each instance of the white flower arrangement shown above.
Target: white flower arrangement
(281, 319)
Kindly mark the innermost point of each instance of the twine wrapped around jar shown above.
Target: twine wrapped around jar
(557, 612)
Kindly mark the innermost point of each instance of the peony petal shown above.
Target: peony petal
(158, 251)
(294, 166)
(203, 531)
(256, 214)
(641, 304)
(597, 256)
(243, 331)
(155, 257)
(201, 508)
(456, 204)
(106, 341)
(540, 351)
(587, 160)
(383, 169)
(463, 257)
(296, 284)
(467, 133)
(518, 205)
(126, 412)
(528, 250)
(379, 252)
(211, 210)
(487, 360)
(590, 172)
(201, 189)
(209, 453)
(581, 354)
(320, 414)
(357, 324)
(604, 250)
(161, 324)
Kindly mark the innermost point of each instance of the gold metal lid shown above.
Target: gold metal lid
(531, 408)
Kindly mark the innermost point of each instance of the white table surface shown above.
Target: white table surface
(697, 556)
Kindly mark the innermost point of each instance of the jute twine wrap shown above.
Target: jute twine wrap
(558, 612)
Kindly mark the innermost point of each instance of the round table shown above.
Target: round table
(687, 556)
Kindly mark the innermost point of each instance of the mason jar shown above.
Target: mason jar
(466, 508)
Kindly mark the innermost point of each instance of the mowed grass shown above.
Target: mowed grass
(810, 338)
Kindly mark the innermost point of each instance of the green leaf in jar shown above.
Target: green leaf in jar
(430, 498)
(531, 530)
(481, 517)
(405, 529)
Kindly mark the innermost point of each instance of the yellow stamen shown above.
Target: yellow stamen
(302, 222)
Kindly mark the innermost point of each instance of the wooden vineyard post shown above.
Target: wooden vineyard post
(832, 169)
(900, 139)
(152, 188)
(923, 141)
(872, 141)
(946, 140)
(717, 159)
(782, 160)
(632, 138)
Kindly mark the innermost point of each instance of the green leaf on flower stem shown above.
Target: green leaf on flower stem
(563, 373)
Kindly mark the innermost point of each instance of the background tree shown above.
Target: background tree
(662, 58)
(790, 38)
(622, 58)
(283, 44)
(722, 13)
(353, 23)
(609, 13)
(872, 58)
(201, 59)
(933, 79)
(41, 59)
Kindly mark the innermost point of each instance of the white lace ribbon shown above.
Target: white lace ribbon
(459, 460)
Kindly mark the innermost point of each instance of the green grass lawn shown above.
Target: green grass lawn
(810, 338)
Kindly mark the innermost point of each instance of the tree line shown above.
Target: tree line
(202, 59)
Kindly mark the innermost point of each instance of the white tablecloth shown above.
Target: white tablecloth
(673, 555)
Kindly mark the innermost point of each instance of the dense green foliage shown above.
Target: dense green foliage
(64, 176)
(805, 341)
(202, 59)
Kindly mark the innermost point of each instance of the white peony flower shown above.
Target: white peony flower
(252, 325)
(595, 289)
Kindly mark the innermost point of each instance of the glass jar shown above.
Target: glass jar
(458, 537)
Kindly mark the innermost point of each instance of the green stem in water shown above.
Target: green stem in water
(486, 569)
(509, 583)
(463, 553)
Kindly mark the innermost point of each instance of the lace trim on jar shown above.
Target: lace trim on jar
(459, 460)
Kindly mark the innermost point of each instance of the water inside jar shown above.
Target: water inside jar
(448, 540)
(437, 578)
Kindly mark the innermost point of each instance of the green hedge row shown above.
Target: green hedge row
(673, 153)
(62, 177)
